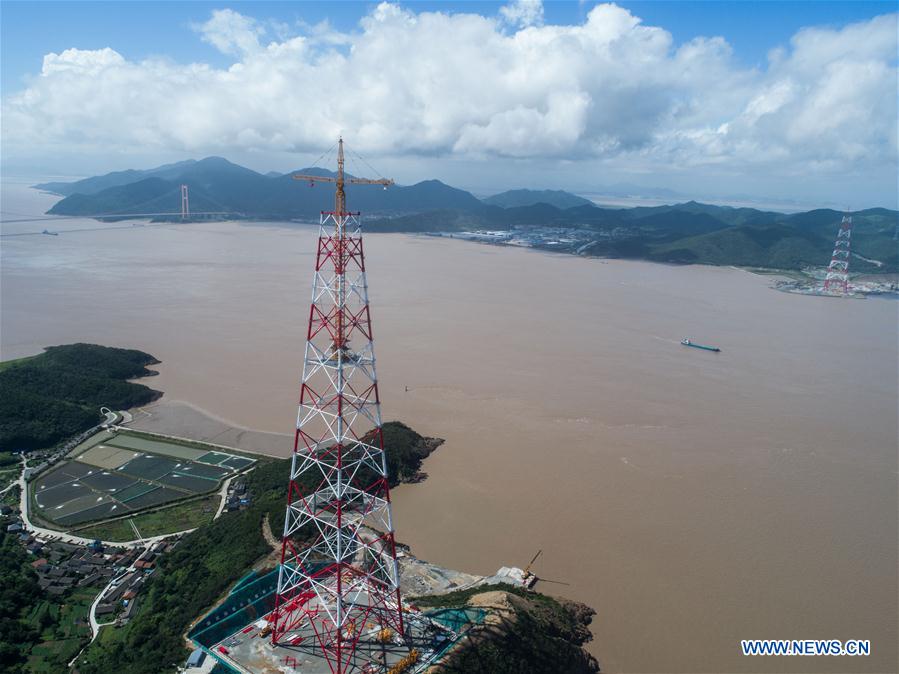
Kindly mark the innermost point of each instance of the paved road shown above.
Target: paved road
(223, 494)
(92, 614)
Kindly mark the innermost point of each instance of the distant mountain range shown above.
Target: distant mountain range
(215, 184)
(689, 232)
(557, 198)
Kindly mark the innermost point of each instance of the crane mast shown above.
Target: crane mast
(340, 217)
(341, 181)
(340, 194)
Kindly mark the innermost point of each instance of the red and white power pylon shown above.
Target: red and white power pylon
(338, 576)
(837, 279)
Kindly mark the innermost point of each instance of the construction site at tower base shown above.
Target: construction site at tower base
(237, 633)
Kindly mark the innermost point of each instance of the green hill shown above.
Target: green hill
(776, 246)
(557, 198)
(58, 394)
(689, 232)
(215, 184)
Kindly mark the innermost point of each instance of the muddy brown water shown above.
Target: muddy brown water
(694, 499)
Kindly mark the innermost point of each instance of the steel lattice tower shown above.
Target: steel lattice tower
(837, 279)
(185, 203)
(337, 576)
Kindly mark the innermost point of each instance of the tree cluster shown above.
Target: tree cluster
(58, 393)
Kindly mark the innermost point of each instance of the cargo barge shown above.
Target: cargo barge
(686, 342)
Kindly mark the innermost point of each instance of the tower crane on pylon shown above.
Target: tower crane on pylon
(341, 180)
(340, 344)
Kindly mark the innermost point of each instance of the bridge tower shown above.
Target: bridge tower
(185, 203)
(338, 579)
(837, 279)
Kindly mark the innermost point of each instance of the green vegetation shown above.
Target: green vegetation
(19, 594)
(185, 515)
(10, 468)
(65, 630)
(12, 363)
(7, 477)
(775, 246)
(407, 449)
(700, 234)
(529, 633)
(11, 496)
(688, 233)
(37, 634)
(8, 462)
(460, 598)
(58, 393)
(219, 185)
(206, 563)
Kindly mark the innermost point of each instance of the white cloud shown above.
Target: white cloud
(81, 62)
(609, 89)
(231, 32)
(523, 12)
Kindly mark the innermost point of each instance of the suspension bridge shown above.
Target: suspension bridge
(184, 215)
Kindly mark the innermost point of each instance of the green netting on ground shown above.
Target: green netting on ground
(213, 457)
(457, 619)
(238, 462)
(246, 580)
(246, 603)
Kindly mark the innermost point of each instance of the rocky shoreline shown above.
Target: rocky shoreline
(521, 632)
(423, 450)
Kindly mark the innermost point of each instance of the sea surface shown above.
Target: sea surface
(694, 499)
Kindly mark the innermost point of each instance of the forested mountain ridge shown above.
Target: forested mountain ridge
(215, 184)
(689, 232)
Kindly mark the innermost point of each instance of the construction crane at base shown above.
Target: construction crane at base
(340, 194)
(530, 579)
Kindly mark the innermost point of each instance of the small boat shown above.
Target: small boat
(47, 231)
(686, 342)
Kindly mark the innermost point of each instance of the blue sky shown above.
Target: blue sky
(670, 105)
(141, 29)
